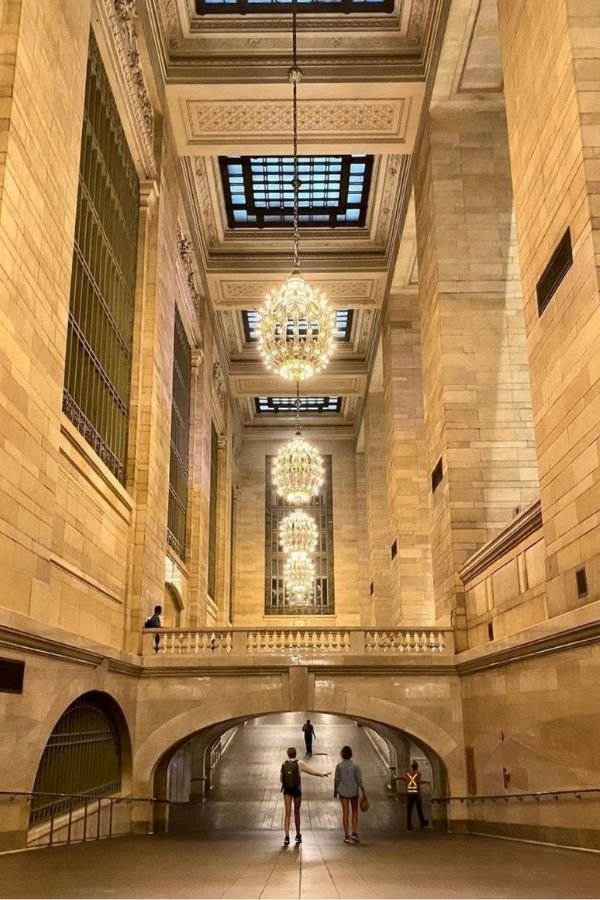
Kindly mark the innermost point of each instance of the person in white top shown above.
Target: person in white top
(291, 788)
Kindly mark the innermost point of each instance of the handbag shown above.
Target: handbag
(364, 803)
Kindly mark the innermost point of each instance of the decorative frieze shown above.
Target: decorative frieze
(120, 15)
(186, 264)
(374, 118)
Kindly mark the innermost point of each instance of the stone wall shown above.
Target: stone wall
(551, 64)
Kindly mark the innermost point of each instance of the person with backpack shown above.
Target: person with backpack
(291, 788)
(347, 783)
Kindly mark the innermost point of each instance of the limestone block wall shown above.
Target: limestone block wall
(411, 585)
(79, 550)
(377, 520)
(536, 723)
(41, 145)
(249, 595)
(477, 406)
(551, 63)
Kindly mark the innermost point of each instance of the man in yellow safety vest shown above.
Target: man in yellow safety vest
(412, 780)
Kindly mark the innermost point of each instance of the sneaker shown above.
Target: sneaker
(355, 837)
(298, 838)
(425, 823)
(286, 840)
(347, 840)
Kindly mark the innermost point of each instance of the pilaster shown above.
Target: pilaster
(478, 418)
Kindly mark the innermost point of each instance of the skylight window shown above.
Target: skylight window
(343, 324)
(209, 7)
(287, 405)
(334, 190)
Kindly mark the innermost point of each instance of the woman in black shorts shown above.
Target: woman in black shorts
(291, 787)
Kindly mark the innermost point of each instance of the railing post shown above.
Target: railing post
(99, 816)
(110, 817)
(357, 643)
(70, 822)
(239, 646)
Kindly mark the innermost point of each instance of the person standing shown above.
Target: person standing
(412, 780)
(347, 783)
(309, 734)
(291, 787)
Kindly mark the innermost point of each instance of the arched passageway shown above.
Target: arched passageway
(236, 788)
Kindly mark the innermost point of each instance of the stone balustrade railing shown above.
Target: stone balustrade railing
(293, 641)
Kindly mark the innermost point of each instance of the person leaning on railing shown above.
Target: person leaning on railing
(154, 622)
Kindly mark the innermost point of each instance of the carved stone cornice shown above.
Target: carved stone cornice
(120, 15)
(528, 522)
(185, 261)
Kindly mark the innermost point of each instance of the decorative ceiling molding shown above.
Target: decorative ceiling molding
(224, 119)
(342, 291)
(209, 119)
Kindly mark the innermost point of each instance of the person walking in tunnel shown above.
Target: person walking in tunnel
(412, 780)
(347, 783)
(309, 734)
(291, 786)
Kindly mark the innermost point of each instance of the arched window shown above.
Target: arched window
(82, 756)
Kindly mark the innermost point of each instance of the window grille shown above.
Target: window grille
(334, 190)
(100, 327)
(180, 438)
(289, 405)
(204, 7)
(82, 756)
(321, 508)
(343, 325)
(212, 523)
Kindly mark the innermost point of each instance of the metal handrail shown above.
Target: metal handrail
(536, 795)
(116, 798)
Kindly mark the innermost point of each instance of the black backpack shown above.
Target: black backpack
(290, 775)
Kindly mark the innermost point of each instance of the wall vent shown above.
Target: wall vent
(394, 549)
(437, 474)
(560, 263)
(11, 676)
(491, 631)
(582, 585)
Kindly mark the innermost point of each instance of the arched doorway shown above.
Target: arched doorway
(240, 789)
(87, 756)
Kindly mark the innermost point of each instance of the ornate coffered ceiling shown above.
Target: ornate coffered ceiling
(225, 92)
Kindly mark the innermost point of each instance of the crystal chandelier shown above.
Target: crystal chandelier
(298, 534)
(298, 471)
(299, 575)
(296, 326)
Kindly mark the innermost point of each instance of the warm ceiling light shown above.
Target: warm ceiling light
(299, 576)
(298, 471)
(296, 327)
(298, 534)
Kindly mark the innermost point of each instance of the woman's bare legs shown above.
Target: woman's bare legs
(287, 800)
(345, 815)
(354, 803)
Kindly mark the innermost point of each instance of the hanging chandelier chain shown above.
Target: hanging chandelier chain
(294, 75)
(298, 427)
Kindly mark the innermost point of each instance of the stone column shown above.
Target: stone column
(477, 405)
(199, 490)
(149, 433)
(367, 614)
(411, 584)
(377, 512)
(223, 525)
(551, 63)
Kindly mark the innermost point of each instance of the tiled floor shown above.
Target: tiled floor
(230, 846)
